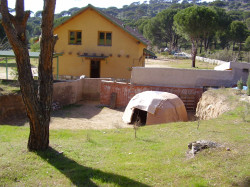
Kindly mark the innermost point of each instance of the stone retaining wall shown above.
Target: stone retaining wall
(124, 92)
(65, 93)
(11, 106)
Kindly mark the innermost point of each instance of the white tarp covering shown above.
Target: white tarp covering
(151, 101)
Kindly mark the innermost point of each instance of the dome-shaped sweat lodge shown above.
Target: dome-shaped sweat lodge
(155, 107)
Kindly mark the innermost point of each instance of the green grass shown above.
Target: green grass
(12, 62)
(170, 61)
(9, 87)
(157, 157)
(186, 64)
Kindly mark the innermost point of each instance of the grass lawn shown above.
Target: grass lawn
(157, 157)
(12, 67)
(9, 87)
(186, 64)
(171, 62)
(12, 62)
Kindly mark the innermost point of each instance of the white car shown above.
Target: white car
(166, 49)
(180, 55)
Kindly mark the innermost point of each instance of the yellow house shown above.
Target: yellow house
(96, 45)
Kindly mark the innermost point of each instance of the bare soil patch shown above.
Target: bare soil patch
(87, 115)
(83, 115)
(213, 103)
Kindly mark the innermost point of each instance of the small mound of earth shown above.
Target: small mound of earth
(211, 105)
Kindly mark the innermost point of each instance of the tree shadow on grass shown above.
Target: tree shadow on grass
(81, 175)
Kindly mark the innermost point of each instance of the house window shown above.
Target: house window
(75, 37)
(105, 38)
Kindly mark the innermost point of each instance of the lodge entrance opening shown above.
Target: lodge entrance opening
(95, 69)
(139, 117)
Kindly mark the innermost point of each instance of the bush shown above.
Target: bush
(248, 85)
(165, 53)
(202, 55)
(224, 55)
(35, 47)
(247, 44)
(14, 73)
(240, 84)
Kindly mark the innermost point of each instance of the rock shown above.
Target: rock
(199, 145)
(211, 105)
(56, 106)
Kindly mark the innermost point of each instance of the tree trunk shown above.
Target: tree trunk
(37, 103)
(206, 44)
(239, 47)
(201, 47)
(39, 137)
(194, 52)
(175, 42)
(239, 55)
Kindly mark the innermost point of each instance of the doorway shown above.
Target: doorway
(95, 69)
(139, 117)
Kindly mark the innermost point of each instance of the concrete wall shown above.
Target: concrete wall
(92, 88)
(126, 91)
(240, 70)
(191, 78)
(208, 60)
(71, 92)
(67, 92)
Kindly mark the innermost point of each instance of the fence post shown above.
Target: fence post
(6, 67)
(57, 68)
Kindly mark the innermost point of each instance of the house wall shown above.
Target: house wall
(191, 78)
(90, 22)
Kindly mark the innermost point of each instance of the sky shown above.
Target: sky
(36, 5)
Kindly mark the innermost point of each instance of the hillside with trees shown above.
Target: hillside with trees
(134, 13)
(155, 20)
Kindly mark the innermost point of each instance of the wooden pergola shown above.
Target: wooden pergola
(10, 54)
